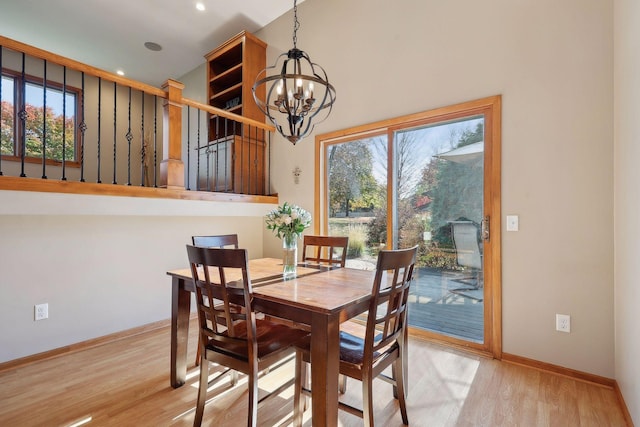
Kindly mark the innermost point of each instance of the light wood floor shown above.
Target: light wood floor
(127, 384)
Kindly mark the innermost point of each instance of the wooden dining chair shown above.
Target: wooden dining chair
(314, 247)
(384, 343)
(246, 344)
(218, 241)
(215, 241)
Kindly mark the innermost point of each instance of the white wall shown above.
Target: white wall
(100, 262)
(627, 200)
(553, 64)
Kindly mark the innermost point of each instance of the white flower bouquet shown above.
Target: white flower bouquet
(288, 221)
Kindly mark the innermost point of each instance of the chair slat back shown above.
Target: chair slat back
(388, 310)
(223, 274)
(314, 247)
(219, 241)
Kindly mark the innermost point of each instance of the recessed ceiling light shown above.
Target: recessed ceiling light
(200, 6)
(153, 46)
(120, 72)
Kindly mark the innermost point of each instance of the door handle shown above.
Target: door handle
(486, 234)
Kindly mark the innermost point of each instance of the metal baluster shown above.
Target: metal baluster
(198, 144)
(255, 162)
(115, 128)
(226, 153)
(241, 171)
(23, 122)
(188, 144)
(249, 159)
(155, 140)
(64, 123)
(83, 128)
(216, 152)
(256, 178)
(215, 166)
(198, 141)
(263, 189)
(268, 189)
(143, 148)
(44, 122)
(129, 137)
(259, 157)
(99, 124)
(198, 167)
(250, 163)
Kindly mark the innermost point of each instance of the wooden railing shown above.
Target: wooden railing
(131, 139)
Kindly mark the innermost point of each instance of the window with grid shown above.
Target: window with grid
(34, 111)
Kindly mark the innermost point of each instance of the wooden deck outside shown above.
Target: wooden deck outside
(435, 304)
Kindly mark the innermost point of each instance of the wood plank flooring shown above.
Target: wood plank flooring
(126, 383)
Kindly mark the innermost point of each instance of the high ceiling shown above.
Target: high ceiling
(110, 34)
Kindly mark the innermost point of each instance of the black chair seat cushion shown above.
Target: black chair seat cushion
(351, 348)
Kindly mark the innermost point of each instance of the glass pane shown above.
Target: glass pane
(439, 179)
(7, 132)
(58, 121)
(357, 192)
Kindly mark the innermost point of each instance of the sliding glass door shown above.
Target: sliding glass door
(423, 183)
(438, 206)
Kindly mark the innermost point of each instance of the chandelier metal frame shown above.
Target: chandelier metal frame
(295, 96)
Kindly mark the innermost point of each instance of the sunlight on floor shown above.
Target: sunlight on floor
(452, 390)
(220, 388)
(81, 422)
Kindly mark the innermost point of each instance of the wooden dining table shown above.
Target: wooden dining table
(319, 297)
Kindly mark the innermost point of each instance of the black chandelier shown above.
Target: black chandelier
(296, 95)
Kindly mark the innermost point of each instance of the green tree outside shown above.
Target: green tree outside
(34, 129)
(351, 182)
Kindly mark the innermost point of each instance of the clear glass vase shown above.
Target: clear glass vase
(289, 256)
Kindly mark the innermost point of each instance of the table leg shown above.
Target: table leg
(325, 368)
(180, 313)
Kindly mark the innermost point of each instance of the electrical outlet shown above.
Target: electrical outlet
(563, 323)
(41, 311)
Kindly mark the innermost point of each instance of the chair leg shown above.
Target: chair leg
(253, 396)
(367, 399)
(299, 399)
(399, 389)
(342, 384)
(202, 393)
(394, 377)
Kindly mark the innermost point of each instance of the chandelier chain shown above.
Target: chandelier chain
(296, 24)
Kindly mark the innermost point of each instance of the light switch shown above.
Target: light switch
(512, 223)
